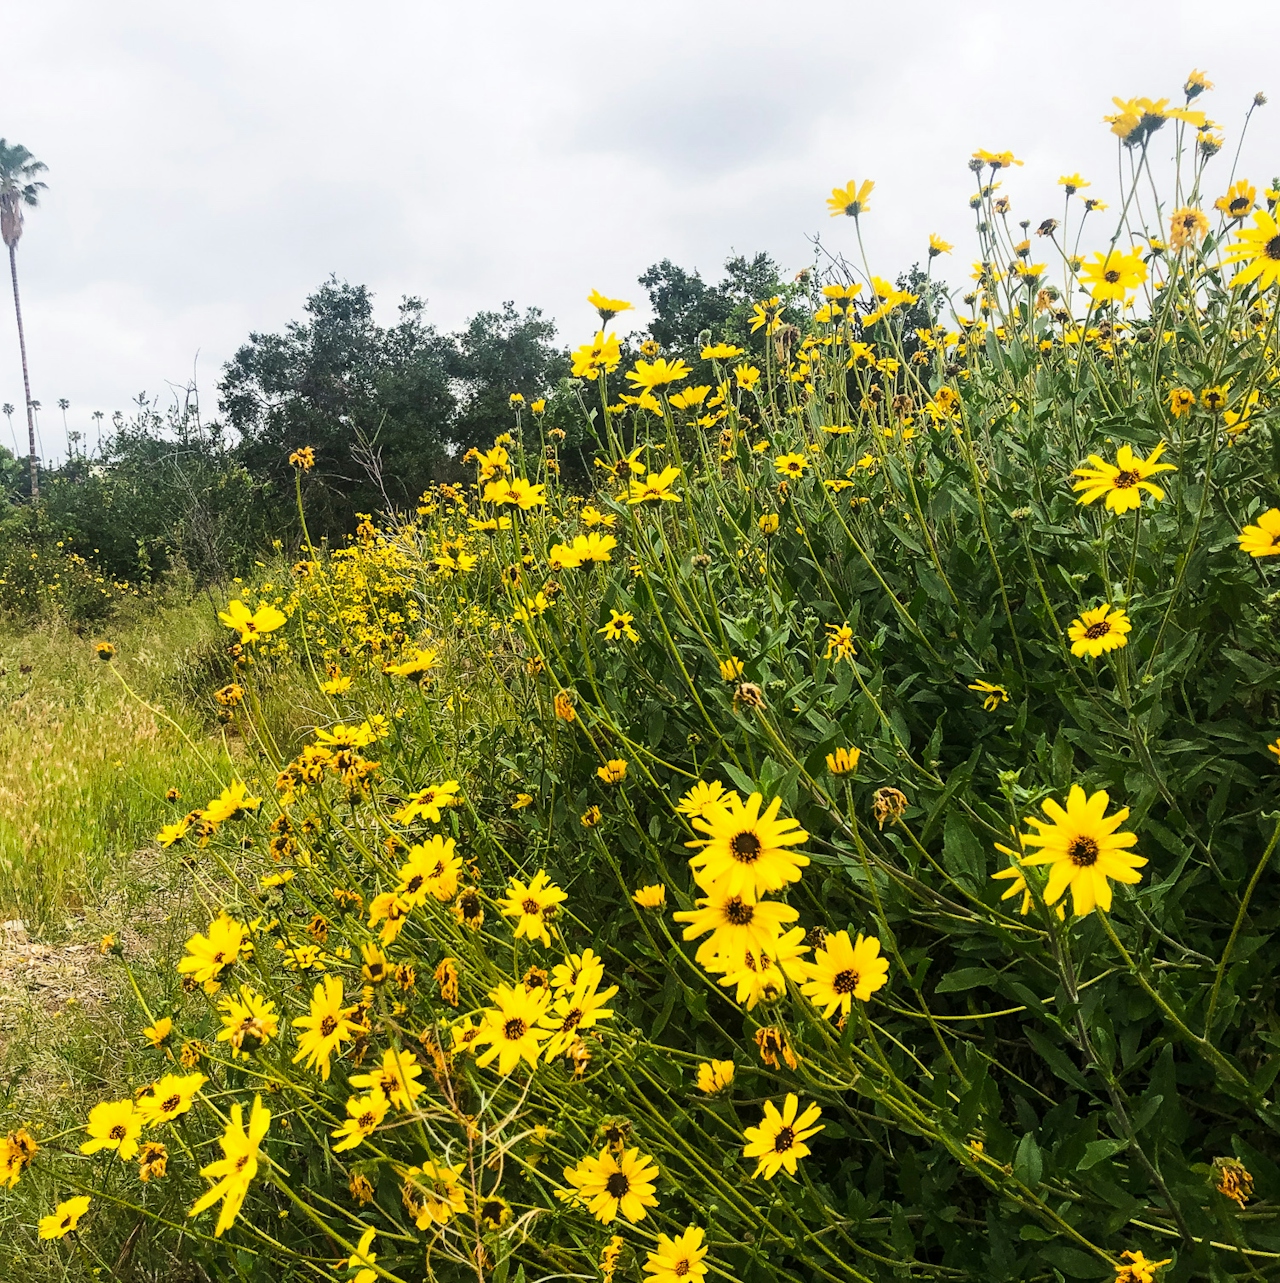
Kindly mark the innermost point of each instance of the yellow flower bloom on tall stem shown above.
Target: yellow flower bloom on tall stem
(1239, 199)
(533, 905)
(1187, 227)
(1084, 850)
(655, 488)
(1098, 631)
(656, 374)
(791, 465)
(397, 1078)
(615, 1184)
(364, 1116)
(169, 1098)
(113, 1124)
(677, 1259)
(1122, 482)
(1258, 249)
(433, 1193)
(714, 1076)
(778, 1142)
(851, 199)
(325, 1027)
(842, 970)
(607, 307)
(65, 1218)
(236, 1169)
(209, 957)
(1262, 540)
(746, 851)
(738, 924)
(1112, 276)
(252, 625)
(511, 1029)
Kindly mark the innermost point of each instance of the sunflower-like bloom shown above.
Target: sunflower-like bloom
(325, 1027)
(169, 1098)
(17, 1149)
(655, 488)
(851, 199)
(113, 1124)
(397, 1078)
(677, 1259)
(433, 1193)
(1121, 482)
(738, 925)
(1135, 1268)
(607, 307)
(602, 354)
(252, 625)
(231, 804)
(705, 793)
(745, 852)
(1098, 631)
(1258, 249)
(417, 667)
(1239, 199)
(791, 465)
(511, 1027)
(1112, 276)
(1187, 226)
(651, 897)
(364, 1116)
(844, 761)
(842, 970)
(714, 1076)
(1181, 402)
(248, 1021)
(534, 905)
(427, 803)
(613, 1184)
(209, 957)
(236, 1170)
(778, 1142)
(1084, 850)
(431, 869)
(1262, 540)
(657, 374)
(762, 977)
(65, 1217)
(570, 1013)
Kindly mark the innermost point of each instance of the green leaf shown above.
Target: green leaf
(1096, 1151)
(966, 978)
(1028, 1165)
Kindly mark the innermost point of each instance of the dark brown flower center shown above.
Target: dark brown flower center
(1083, 852)
(118, 1132)
(241, 1162)
(170, 1104)
(1272, 249)
(845, 981)
(784, 1140)
(618, 1185)
(414, 883)
(1096, 631)
(681, 1267)
(745, 847)
(1111, 276)
(1124, 480)
(514, 1029)
(571, 1020)
(327, 1026)
(738, 912)
(531, 907)
(366, 1121)
(1240, 205)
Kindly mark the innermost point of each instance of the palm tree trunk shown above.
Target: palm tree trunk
(26, 378)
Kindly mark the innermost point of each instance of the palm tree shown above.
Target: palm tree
(7, 410)
(18, 168)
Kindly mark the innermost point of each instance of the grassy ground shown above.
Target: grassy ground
(84, 766)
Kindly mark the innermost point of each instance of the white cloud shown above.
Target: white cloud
(211, 165)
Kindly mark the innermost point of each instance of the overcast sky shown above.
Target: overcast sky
(210, 165)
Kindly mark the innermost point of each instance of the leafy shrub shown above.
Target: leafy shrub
(839, 849)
